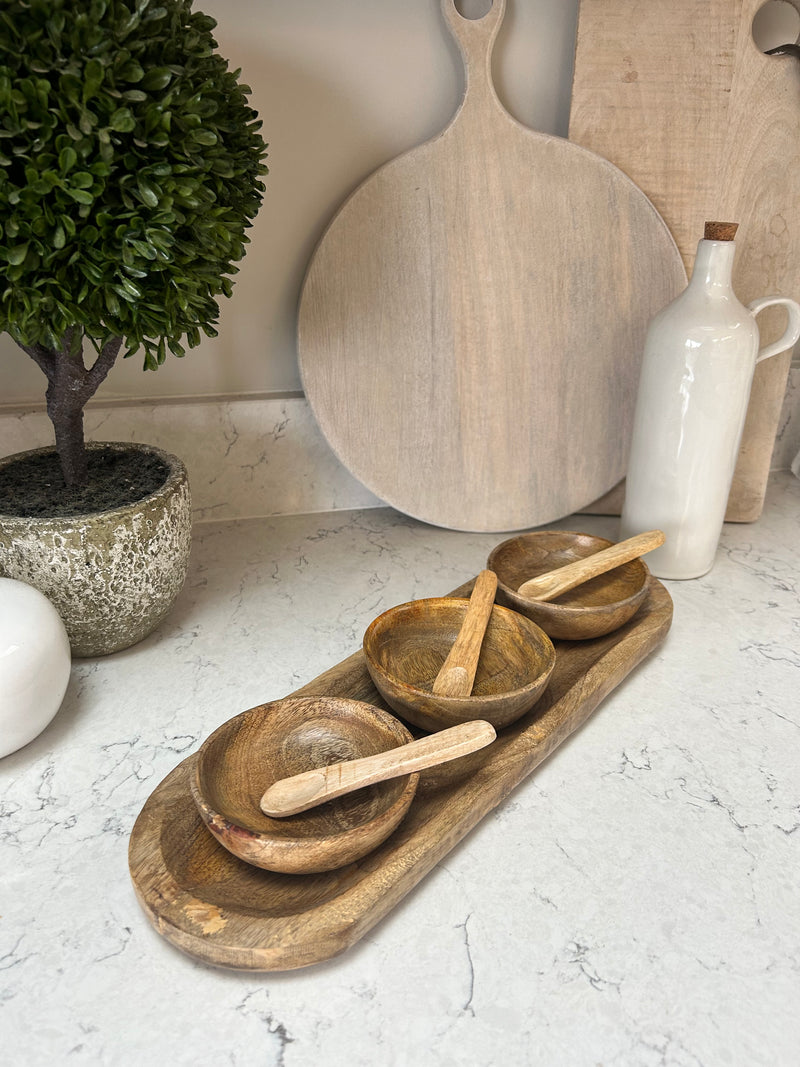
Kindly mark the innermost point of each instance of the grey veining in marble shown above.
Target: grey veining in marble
(634, 902)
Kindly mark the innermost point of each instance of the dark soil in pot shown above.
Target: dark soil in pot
(34, 484)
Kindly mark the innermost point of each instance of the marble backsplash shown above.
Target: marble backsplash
(246, 458)
(253, 457)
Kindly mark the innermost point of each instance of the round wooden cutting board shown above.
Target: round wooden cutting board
(472, 322)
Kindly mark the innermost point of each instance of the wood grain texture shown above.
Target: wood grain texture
(551, 584)
(225, 912)
(290, 796)
(457, 675)
(595, 608)
(249, 752)
(471, 324)
(679, 97)
(406, 646)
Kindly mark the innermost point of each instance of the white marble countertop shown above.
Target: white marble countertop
(633, 902)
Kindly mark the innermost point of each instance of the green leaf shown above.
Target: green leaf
(59, 237)
(145, 250)
(70, 87)
(111, 301)
(17, 255)
(204, 137)
(97, 10)
(130, 71)
(147, 193)
(157, 78)
(122, 120)
(90, 271)
(92, 78)
(87, 122)
(67, 158)
(81, 196)
(127, 289)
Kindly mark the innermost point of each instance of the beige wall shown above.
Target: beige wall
(341, 86)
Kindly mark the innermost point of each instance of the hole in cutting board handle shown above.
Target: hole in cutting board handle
(473, 10)
(774, 24)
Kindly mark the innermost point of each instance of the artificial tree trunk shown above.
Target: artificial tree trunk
(70, 385)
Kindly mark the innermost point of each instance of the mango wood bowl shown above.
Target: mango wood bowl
(241, 759)
(406, 646)
(590, 610)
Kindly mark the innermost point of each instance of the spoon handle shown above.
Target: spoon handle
(457, 675)
(292, 795)
(554, 583)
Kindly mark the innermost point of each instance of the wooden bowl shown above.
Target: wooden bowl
(590, 610)
(407, 645)
(241, 759)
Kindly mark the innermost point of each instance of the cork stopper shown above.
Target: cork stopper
(720, 231)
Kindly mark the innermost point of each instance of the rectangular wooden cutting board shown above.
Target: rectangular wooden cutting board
(223, 911)
(681, 99)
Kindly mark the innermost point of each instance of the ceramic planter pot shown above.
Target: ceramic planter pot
(112, 575)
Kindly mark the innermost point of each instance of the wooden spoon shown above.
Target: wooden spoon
(303, 791)
(552, 584)
(457, 675)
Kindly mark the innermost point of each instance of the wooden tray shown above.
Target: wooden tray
(223, 911)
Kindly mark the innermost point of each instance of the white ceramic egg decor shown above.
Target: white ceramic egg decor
(35, 663)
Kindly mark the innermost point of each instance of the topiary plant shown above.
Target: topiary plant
(130, 166)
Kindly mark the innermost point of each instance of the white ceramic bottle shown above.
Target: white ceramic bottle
(700, 355)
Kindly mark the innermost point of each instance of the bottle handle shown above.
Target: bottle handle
(792, 333)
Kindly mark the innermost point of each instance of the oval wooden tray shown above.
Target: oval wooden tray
(222, 911)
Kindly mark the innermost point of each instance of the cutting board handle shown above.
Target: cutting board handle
(475, 39)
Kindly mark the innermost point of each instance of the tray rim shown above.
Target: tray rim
(200, 929)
